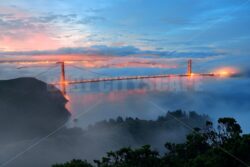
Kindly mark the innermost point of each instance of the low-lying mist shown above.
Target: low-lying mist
(28, 121)
(36, 133)
(93, 142)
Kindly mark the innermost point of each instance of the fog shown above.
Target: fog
(217, 97)
(91, 103)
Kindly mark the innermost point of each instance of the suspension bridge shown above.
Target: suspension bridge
(64, 82)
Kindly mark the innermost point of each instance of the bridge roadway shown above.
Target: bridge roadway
(133, 78)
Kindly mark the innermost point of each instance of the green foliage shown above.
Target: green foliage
(134, 131)
(211, 148)
(228, 128)
(74, 163)
(224, 147)
(127, 157)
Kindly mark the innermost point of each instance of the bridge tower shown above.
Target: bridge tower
(63, 81)
(62, 72)
(189, 67)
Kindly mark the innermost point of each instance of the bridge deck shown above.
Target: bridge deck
(132, 78)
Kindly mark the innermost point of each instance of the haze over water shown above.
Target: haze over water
(93, 102)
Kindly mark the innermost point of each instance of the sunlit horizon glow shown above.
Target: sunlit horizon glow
(226, 71)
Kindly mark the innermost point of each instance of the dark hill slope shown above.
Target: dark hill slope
(28, 109)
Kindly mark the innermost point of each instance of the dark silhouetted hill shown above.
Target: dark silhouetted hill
(28, 109)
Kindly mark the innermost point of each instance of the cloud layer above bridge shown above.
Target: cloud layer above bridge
(120, 51)
(44, 25)
(125, 28)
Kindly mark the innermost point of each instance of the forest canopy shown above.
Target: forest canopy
(209, 147)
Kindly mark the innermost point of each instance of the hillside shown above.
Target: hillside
(28, 109)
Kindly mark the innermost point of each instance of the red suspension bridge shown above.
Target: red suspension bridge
(65, 82)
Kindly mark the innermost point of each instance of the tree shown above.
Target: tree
(74, 163)
(127, 157)
(228, 128)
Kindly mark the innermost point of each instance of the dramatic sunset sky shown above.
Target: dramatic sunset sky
(195, 25)
(144, 30)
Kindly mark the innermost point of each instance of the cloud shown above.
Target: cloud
(64, 29)
(114, 51)
(52, 18)
(14, 24)
(91, 19)
(71, 22)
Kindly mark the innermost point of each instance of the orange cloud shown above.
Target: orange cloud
(94, 61)
(39, 41)
(20, 33)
